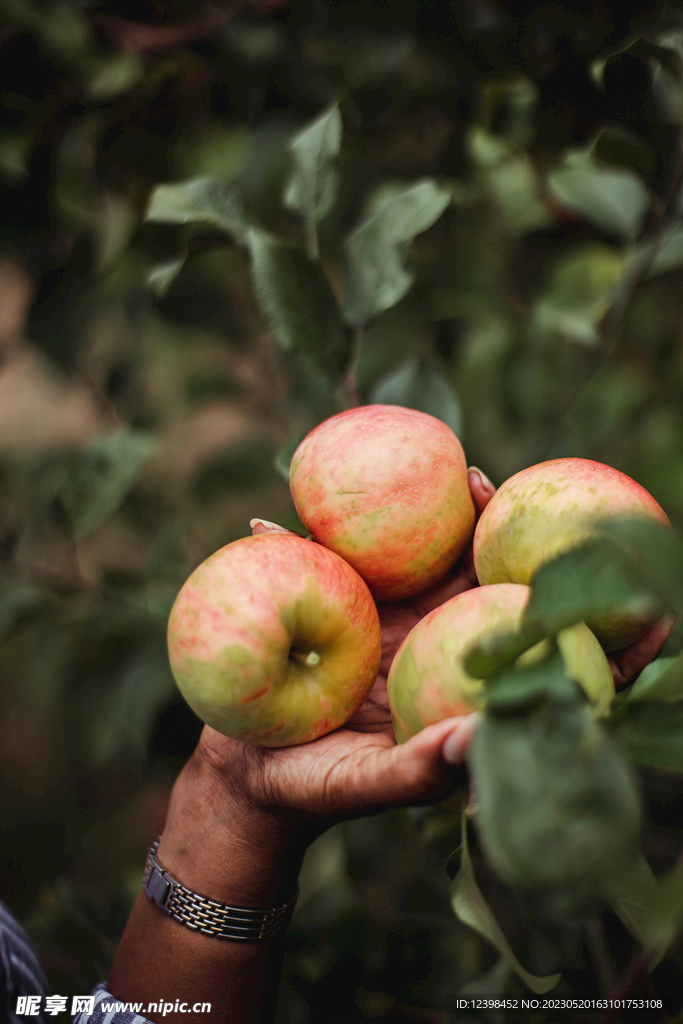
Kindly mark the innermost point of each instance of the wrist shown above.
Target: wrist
(221, 843)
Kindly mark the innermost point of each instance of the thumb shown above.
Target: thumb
(421, 770)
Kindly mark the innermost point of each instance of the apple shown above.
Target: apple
(428, 682)
(548, 509)
(386, 488)
(274, 640)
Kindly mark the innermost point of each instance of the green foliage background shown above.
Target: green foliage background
(153, 385)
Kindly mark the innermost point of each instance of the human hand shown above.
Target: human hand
(359, 768)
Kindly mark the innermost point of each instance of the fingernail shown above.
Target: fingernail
(267, 527)
(454, 749)
(485, 482)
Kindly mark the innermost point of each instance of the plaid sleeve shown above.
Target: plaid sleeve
(101, 1007)
(22, 982)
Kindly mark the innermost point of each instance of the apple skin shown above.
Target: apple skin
(549, 508)
(428, 682)
(245, 621)
(386, 488)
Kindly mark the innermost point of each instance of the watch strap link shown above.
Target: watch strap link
(235, 924)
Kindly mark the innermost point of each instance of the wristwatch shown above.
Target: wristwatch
(236, 924)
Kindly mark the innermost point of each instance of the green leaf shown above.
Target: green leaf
(650, 733)
(498, 650)
(283, 458)
(296, 298)
(20, 602)
(661, 680)
(516, 186)
(669, 253)
(418, 384)
(162, 276)
(377, 277)
(558, 809)
(200, 201)
(527, 685)
(651, 909)
(471, 908)
(655, 551)
(130, 708)
(312, 188)
(591, 580)
(580, 291)
(614, 200)
(90, 485)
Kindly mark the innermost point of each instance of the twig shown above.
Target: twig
(143, 38)
(595, 937)
(351, 380)
(636, 973)
(612, 324)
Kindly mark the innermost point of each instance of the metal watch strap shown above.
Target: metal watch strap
(237, 924)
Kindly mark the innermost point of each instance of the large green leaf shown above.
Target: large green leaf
(558, 809)
(312, 188)
(472, 909)
(418, 384)
(377, 277)
(613, 199)
(200, 201)
(296, 297)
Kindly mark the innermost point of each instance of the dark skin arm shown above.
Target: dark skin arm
(240, 819)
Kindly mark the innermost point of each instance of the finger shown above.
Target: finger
(263, 526)
(481, 488)
(415, 772)
(455, 746)
(627, 665)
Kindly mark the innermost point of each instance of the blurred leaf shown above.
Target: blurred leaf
(656, 552)
(131, 707)
(283, 458)
(376, 274)
(580, 291)
(312, 188)
(203, 201)
(471, 908)
(420, 385)
(508, 109)
(517, 188)
(114, 75)
(162, 276)
(91, 485)
(651, 733)
(498, 650)
(20, 602)
(584, 583)
(661, 680)
(651, 909)
(296, 297)
(614, 200)
(669, 253)
(527, 685)
(668, 92)
(558, 810)
(618, 147)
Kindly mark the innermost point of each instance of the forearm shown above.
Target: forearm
(231, 854)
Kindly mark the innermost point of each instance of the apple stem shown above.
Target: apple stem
(310, 659)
